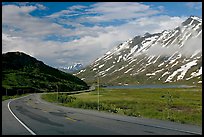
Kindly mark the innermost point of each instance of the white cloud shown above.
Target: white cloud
(61, 13)
(41, 7)
(9, 11)
(154, 24)
(109, 11)
(91, 42)
(191, 46)
(71, 11)
(30, 26)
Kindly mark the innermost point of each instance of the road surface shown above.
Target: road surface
(31, 115)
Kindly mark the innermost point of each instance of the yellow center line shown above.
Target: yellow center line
(70, 119)
(44, 110)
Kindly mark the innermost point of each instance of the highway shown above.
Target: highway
(30, 115)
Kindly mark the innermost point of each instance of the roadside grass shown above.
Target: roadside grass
(11, 97)
(183, 105)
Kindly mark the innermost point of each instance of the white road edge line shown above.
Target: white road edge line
(19, 119)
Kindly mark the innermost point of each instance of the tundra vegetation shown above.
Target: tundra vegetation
(183, 105)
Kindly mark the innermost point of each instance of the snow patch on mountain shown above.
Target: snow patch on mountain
(72, 68)
(183, 71)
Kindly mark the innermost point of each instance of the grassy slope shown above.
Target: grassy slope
(21, 71)
(179, 105)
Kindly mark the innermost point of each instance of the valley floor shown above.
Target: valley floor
(182, 105)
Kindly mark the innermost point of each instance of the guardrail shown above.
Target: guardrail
(73, 92)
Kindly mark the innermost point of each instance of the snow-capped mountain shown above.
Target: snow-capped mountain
(166, 57)
(72, 68)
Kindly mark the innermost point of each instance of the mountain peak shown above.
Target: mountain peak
(192, 20)
(147, 34)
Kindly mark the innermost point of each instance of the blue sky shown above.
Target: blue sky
(180, 8)
(63, 33)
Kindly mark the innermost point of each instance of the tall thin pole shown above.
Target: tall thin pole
(98, 91)
(57, 92)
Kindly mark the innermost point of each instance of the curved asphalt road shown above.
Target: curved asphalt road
(43, 118)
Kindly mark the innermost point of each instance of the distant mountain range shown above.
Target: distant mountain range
(23, 73)
(172, 56)
(72, 68)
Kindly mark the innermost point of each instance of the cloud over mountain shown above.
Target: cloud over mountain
(80, 32)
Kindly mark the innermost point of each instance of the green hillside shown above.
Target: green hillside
(22, 73)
